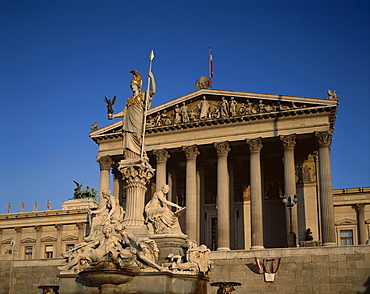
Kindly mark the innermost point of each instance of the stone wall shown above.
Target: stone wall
(330, 270)
(24, 276)
(342, 269)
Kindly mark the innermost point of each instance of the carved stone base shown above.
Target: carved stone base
(175, 244)
(113, 282)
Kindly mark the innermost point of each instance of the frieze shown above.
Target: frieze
(210, 109)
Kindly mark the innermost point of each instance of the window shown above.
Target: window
(49, 250)
(70, 247)
(346, 237)
(28, 252)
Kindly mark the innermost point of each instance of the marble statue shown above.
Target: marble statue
(145, 249)
(232, 106)
(242, 109)
(204, 108)
(35, 206)
(184, 110)
(133, 115)
(196, 259)
(224, 108)
(48, 205)
(177, 112)
(111, 212)
(159, 217)
(21, 206)
(96, 250)
(9, 208)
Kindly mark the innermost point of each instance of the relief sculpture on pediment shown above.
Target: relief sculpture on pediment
(223, 108)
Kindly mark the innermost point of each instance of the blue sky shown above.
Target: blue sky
(58, 59)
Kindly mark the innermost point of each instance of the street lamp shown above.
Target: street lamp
(292, 238)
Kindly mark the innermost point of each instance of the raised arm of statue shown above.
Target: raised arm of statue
(153, 86)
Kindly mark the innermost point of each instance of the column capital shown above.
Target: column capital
(288, 141)
(191, 152)
(81, 226)
(161, 155)
(324, 138)
(59, 227)
(222, 148)
(38, 228)
(18, 229)
(359, 207)
(255, 145)
(105, 162)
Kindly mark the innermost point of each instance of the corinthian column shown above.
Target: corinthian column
(289, 142)
(58, 249)
(105, 163)
(223, 204)
(360, 211)
(191, 153)
(161, 155)
(326, 192)
(255, 146)
(38, 253)
(136, 174)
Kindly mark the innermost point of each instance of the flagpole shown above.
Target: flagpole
(151, 57)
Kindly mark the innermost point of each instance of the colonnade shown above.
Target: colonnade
(255, 145)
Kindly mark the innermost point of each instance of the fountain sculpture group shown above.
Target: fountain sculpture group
(141, 249)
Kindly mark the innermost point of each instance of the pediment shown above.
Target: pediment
(69, 238)
(224, 107)
(28, 240)
(345, 221)
(7, 241)
(48, 239)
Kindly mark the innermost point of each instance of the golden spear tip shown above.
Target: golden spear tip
(151, 55)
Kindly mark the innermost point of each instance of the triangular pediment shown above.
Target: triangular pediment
(48, 239)
(69, 238)
(7, 241)
(345, 221)
(28, 240)
(223, 107)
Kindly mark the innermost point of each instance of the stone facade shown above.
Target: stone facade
(232, 161)
(230, 164)
(329, 270)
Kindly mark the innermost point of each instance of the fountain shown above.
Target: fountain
(141, 249)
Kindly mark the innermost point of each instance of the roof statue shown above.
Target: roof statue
(332, 94)
(203, 83)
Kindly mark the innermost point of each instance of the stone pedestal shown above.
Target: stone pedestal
(125, 282)
(167, 244)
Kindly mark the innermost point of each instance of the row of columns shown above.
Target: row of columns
(223, 196)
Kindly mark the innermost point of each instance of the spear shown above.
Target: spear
(151, 57)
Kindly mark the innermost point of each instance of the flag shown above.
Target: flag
(210, 63)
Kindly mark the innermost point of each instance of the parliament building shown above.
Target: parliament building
(253, 171)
